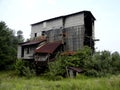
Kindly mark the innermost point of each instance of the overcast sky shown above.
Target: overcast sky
(19, 14)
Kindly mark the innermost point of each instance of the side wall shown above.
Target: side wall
(74, 20)
(74, 29)
(69, 21)
(19, 51)
(74, 39)
(45, 26)
(73, 26)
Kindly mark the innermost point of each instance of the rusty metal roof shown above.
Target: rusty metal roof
(33, 42)
(49, 47)
(68, 53)
(76, 69)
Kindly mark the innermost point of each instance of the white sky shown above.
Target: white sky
(19, 14)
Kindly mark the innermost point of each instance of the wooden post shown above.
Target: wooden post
(67, 72)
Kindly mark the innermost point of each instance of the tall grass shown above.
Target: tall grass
(9, 81)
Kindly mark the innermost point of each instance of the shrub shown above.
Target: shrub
(98, 64)
(22, 69)
(27, 72)
(115, 63)
(19, 66)
(58, 67)
(92, 73)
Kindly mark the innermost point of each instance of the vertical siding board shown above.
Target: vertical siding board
(74, 38)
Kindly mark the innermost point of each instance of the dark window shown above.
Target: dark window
(28, 50)
(35, 34)
(43, 33)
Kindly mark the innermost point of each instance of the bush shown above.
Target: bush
(92, 73)
(23, 69)
(98, 64)
(80, 59)
(28, 73)
(19, 66)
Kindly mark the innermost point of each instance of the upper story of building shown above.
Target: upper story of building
(84, 18)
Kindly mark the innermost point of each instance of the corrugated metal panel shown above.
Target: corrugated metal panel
(33, 42)
(54, 35)
(48, 48)
(74, 38)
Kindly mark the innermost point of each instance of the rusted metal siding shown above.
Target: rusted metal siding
(48, 48)
(74, 38)
(54, 35)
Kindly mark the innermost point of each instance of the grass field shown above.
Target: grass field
(8, 81)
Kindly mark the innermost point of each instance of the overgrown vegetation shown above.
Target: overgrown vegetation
(22, 68)
(96, 65)
(10, 82)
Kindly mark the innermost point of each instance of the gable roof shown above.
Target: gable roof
(88, 12)
(48, 48)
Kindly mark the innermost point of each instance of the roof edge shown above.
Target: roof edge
(85, 11)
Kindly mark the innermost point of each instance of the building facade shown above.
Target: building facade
(72, 31)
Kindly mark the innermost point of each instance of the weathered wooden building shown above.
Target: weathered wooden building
(64, 33)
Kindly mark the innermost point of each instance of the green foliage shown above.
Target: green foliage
(62, 62)
(81, 82)
(102, 64)
(56, 69)
(19, 67)
(115, 63)
(81, 77)
(27, 72)
(22, 69)
(96, 65)
(8, 47)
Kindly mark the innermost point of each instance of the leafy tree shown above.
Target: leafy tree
(22, 69)
(115, 63)
(20, 36)
(62, 62)
(97, 65)
(8, 47)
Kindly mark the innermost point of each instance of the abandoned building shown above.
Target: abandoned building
(66, 33)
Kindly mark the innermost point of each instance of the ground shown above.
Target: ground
(8, 81)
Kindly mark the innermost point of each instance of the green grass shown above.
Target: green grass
(8, 81)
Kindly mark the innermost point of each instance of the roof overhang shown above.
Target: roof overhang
(30, 43)
(49, 47)
(64, 16)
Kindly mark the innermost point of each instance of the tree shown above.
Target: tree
(96, 64)
(80, 59)
(8, 47)
(20, 36)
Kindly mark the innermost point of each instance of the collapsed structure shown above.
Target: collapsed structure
(66, 33)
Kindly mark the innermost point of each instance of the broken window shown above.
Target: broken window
(35, 34)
